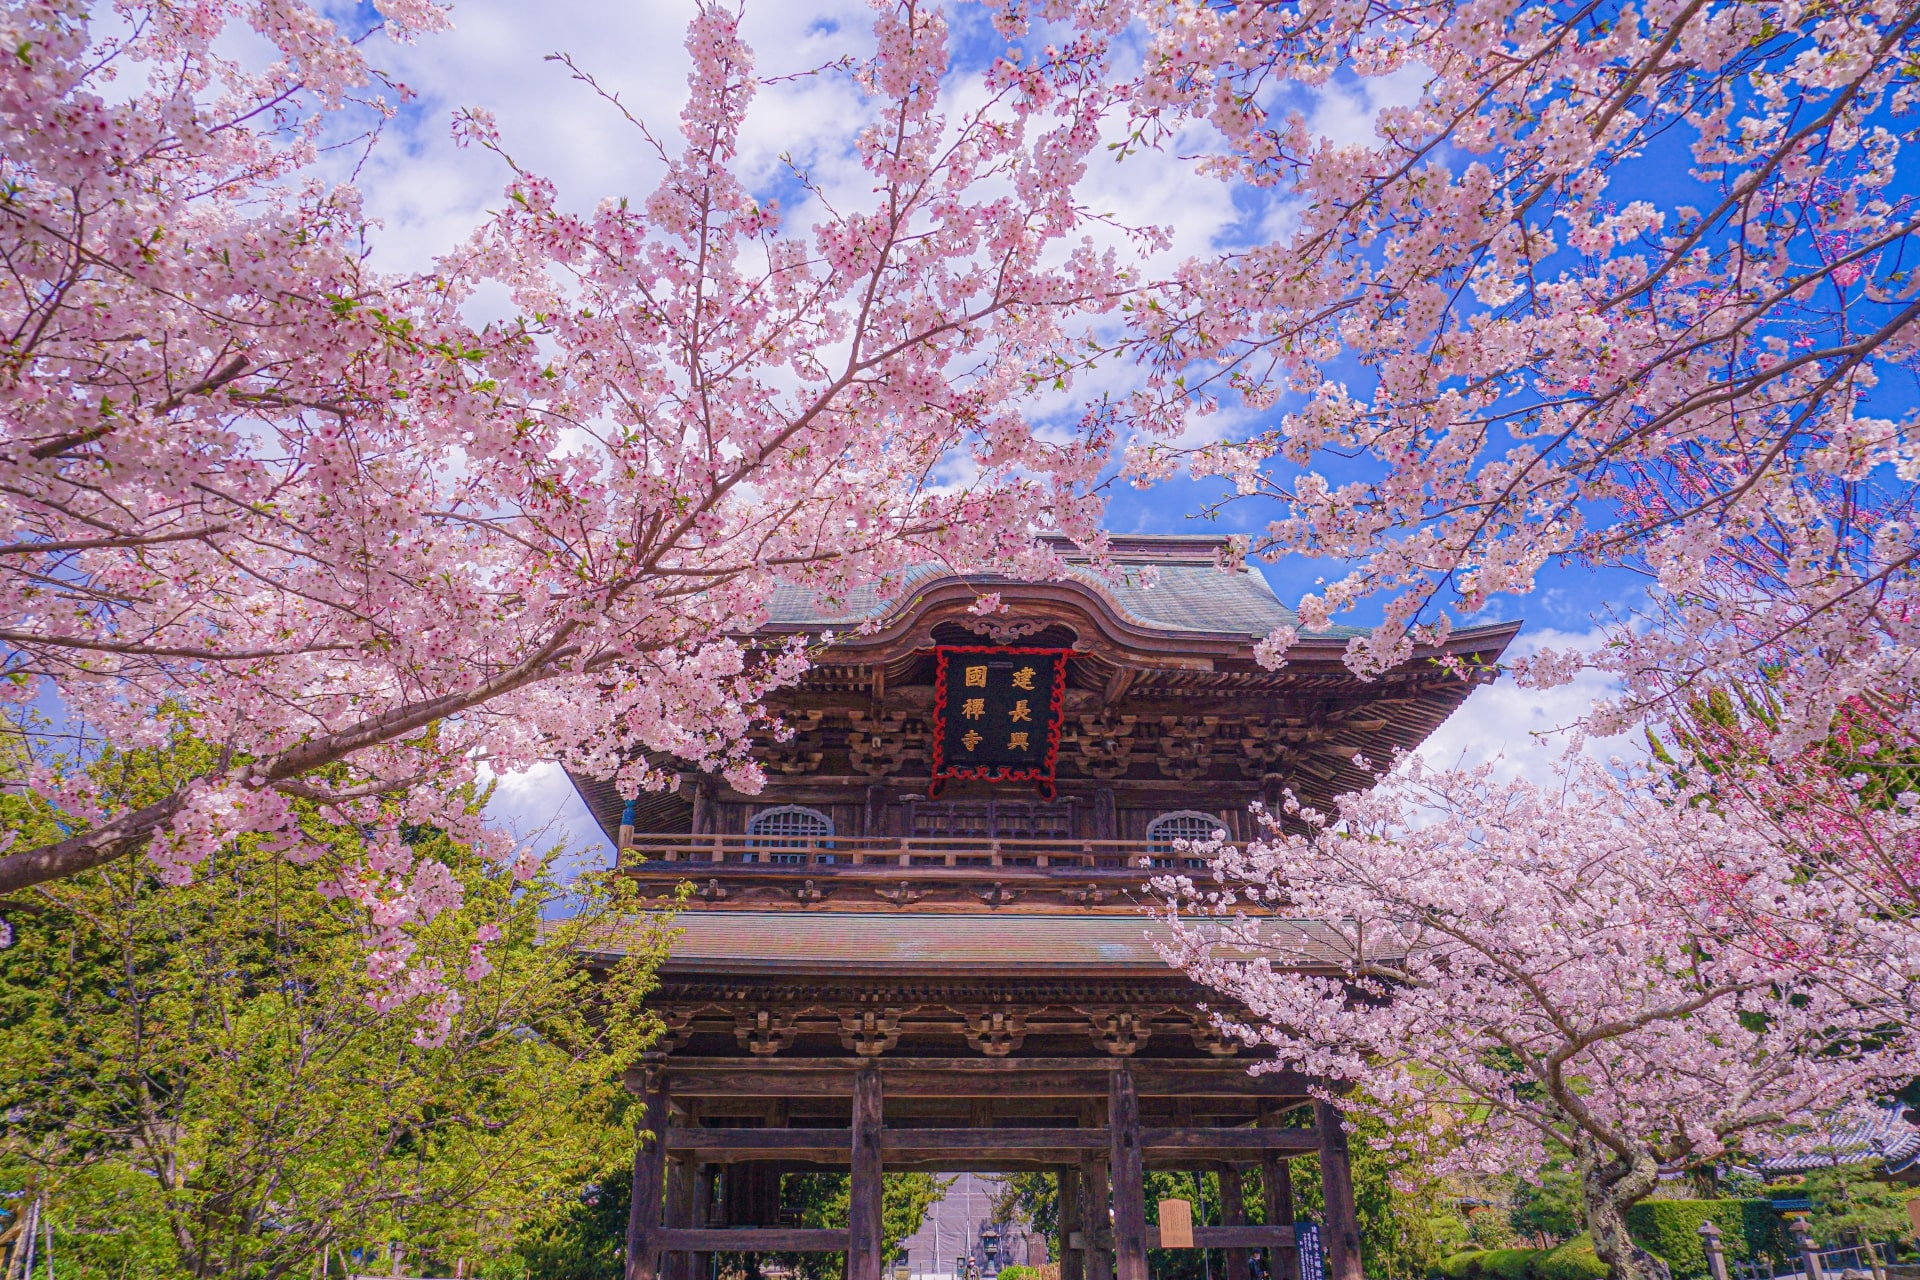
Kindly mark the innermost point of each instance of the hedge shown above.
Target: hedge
(1574, 1260)
(1509, 1264)
(1464, 1265)
(1671, 1228)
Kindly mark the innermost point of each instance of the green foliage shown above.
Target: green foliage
(1574, 1260)
(1508, 1264)
(1548, 1207)
(1464, 1265)
(1851, 1205)
(1671, 1228)
(824, 1200)
(576, 1237)
(203, 1065)
(1399, 1233)
(1017, 1272)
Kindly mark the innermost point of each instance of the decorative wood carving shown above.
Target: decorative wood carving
(799, 754)
(880, 744)
(676, 1028)
(766, 1031)
(1005, 632)
(870, 1032)
(712, 891)
(808, 893)
(1187, 745)
(1121, 1032)
(1089, 897)
(998, 896)
(903, 896)
(1104, 744)
(1209, 1039)
(996, 1032)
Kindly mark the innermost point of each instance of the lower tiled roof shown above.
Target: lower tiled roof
(758, 942)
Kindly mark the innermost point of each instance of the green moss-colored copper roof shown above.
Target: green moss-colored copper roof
(1162, 583)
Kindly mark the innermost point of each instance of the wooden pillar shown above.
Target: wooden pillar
(675, 1266)
(1097, 1259)
(699, 1265)
(1341, 1230)
(1233, 1213)
(649, 1183)
(864, 1197)
(1276, 1189)
(1071, 1220)
(1129, 1178)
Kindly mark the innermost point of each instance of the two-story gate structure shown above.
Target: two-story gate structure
(922, 945)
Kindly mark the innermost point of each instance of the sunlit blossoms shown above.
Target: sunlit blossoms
(1613, 968)
(1613, 284)
(312, 515)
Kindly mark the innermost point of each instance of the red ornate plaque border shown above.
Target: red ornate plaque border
(1041, 775)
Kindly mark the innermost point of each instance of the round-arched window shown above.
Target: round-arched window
(1182, 824)
(785, 832)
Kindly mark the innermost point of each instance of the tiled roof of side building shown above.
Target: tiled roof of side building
(1884, 1135)
(971, 943)
(1164, 583)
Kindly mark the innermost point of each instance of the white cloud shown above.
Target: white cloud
(1523, 731)
(540, 806)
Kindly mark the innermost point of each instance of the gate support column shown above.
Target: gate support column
(1336, 1184)
(864, 1198)
(1276, 1189)
(649, 1184)
(1233, 1213)
(1095, 1230)
(1129, 1179)
(1071, 1221)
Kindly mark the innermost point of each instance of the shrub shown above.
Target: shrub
(1509, 1264)
(1671, 1228)
(1574, 1260)
(1464, 1265)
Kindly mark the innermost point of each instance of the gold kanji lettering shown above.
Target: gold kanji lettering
(976, 677)
(971, 739)
(973, 708)
(1020, 712)
(1018, 742)
(1022, 679)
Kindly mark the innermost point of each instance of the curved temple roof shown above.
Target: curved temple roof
(1158, 583)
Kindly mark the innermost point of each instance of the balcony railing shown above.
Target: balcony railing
(896, 852)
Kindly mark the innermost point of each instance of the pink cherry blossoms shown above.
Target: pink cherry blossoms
(1602, 964)
(1621, 285)
(310, 514)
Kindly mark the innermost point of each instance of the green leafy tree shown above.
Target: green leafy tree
(824, 1200)
(1547, 1208)
(1850, 1206)
(212, 1055)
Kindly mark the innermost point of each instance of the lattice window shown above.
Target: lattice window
(1183, 824)
(788, 827)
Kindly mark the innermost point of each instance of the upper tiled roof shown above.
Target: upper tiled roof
(917, 942)
(1161, 583)
(1884, 1136)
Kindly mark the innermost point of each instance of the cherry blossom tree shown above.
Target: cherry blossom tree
(1597, 965)
(313, 515)
(1620, 285)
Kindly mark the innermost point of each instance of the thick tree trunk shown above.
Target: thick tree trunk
(1609, 1186)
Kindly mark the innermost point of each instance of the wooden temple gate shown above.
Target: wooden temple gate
(1095, 1126)
(909, 953)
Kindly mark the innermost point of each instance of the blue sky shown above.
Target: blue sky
(428, 195)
